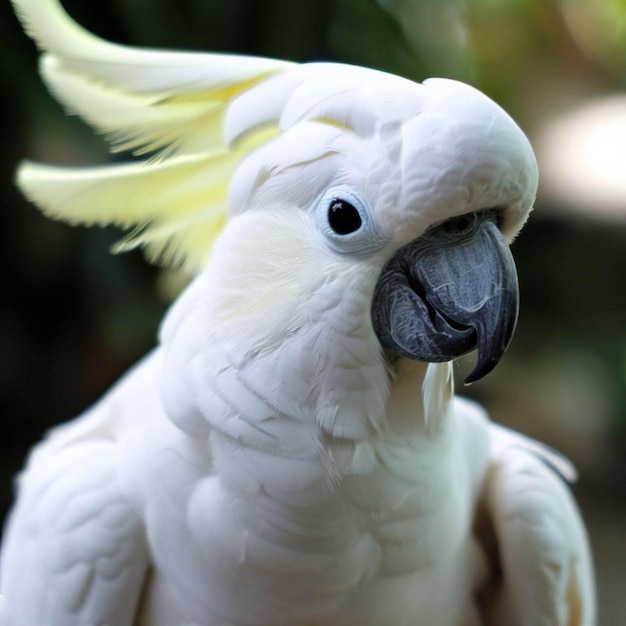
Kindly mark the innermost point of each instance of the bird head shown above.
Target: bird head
(400, 195)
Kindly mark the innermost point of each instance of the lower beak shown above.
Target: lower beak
(448, 292)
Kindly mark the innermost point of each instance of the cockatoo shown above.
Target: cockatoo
(292, 453)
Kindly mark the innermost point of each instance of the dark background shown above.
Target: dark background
(73, 317)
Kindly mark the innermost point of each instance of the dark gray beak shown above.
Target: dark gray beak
(448, 292)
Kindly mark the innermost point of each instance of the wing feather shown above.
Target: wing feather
(74, 551)
(542, 544)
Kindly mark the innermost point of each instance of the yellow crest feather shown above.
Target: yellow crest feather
(169, 105)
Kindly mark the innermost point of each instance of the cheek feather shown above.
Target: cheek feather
(261, 266)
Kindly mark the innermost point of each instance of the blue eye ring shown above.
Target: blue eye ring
(345, 219)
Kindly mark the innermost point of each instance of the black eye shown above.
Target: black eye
(343, 218)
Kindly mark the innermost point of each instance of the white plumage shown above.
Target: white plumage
(269, 464)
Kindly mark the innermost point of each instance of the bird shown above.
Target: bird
(292, 452)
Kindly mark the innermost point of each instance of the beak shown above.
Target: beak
(448, 292)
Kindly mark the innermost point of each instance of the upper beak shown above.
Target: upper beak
(448, 292)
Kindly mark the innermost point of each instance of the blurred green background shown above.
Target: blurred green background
(72, 317)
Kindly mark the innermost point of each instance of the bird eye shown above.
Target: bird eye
(343, 217)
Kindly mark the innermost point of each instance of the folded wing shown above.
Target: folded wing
(543, 551)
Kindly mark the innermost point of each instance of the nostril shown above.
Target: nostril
(459, 224)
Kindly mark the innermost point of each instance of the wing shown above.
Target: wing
(542, 547)
(74, 551)
(171, 105)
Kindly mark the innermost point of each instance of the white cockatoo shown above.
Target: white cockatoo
(292, 452)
